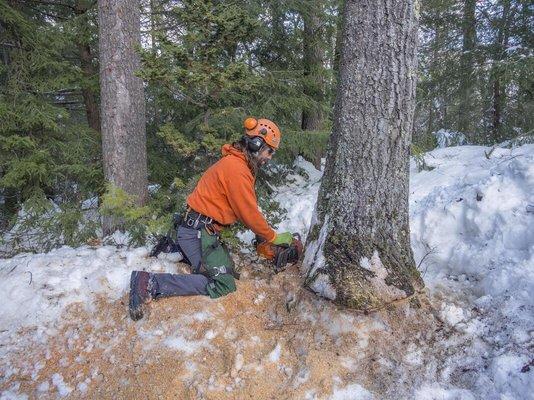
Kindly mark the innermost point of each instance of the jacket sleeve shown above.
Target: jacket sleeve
(242, 198)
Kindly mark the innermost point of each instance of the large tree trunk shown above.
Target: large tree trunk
(122, 98)
(312, 115)
(467, 78)
(358, 249)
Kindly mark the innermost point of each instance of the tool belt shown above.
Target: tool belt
(195, 220)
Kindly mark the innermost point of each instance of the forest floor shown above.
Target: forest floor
(65, 331)
(269, 340)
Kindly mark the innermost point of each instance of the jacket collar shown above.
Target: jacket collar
(228, 150)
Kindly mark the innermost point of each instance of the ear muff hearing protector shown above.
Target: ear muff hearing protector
(255, 143)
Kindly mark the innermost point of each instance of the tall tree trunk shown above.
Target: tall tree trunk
(153, 24)
(430, 122)
(433, 112)
(312, 115)
(497, 110)
(358, 250)
(90, 97)
(523, 112)
(5, 59)
(467, 86)
(122, 97)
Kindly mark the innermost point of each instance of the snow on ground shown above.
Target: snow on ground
(471, 222)
(446, 138)
(38, 288)
(472, 225)
(472, 232)
(298, 197)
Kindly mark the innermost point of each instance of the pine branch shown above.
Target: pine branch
(50, 3)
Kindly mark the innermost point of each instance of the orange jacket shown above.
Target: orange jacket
(226, 193)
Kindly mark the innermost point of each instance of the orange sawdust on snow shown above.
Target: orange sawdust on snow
(269, 340)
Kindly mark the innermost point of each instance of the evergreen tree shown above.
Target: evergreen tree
(85, 37)
(44, 148)
(313, 62)
(215, 63)
(199, 68)
(467, 69)
(475, 69)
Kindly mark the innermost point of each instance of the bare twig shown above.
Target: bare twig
(509, 158)
(31, 277)
(432, 250)
(488, 155)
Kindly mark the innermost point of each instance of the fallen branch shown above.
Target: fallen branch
(31, 277)
(488, 155)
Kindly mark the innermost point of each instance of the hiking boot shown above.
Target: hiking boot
(140, 293)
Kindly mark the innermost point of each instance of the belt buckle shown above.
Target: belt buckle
(195, 226)
(220, 270)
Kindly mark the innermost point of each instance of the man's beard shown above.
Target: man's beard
(257, 162)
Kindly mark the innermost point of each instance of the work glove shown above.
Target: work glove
(285, 238)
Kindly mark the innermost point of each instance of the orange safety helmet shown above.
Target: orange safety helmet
(264, 128)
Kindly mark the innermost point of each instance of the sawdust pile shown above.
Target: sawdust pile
(269, 340)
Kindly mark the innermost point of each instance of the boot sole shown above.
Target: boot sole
(135, 304)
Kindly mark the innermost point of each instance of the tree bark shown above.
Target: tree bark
(467, 86)
(358, 251)
(312, 115)
(122, 97)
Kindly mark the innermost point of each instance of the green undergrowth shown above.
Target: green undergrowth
(42, 225)
(309, 144)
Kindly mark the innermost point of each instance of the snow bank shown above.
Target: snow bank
(36, 289)
(472, 231)
(471, 215)
(298, 197)
(471, 222)
(471, 228)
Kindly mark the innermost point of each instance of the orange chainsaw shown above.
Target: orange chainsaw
(280, 255)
